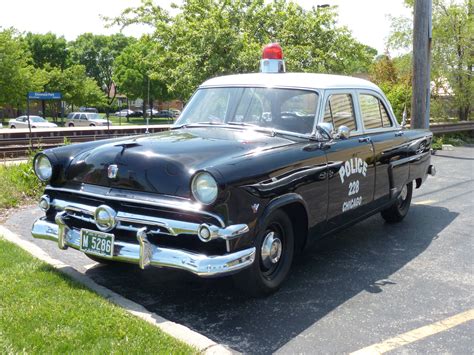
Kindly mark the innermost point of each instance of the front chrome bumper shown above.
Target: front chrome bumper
(144, 253)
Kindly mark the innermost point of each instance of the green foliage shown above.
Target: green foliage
(77, 88)
(452, 64)
(18, 184)
(47, 49)
(453, 52)
(399, 96)
(17, 74)
(44, 311)
(395, 83)
(135, 71)
(455, 139)
(209, 38)
(97, 54)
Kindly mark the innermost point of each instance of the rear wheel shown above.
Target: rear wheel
(12, 127)
(399, 209)
(70, 124)
(274, 255)
(92, 125)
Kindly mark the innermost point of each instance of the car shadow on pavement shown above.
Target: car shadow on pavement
(327, 274)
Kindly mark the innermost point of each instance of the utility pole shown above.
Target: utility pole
(420, 113)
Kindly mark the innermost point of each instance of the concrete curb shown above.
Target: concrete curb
(178, 331)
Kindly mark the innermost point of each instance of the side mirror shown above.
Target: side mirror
(343, 132)
(326, 129)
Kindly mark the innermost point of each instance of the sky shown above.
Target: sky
(367, 19)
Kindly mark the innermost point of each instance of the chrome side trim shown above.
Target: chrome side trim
(144, 253)
(409, 159)
(183, 206)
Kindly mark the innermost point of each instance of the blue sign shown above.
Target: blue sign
(44, 96)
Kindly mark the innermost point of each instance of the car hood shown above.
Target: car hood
(165, 162)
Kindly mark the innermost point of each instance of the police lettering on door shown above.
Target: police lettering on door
(351, 167)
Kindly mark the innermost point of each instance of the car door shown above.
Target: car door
(21, 122)
(389, 144)
(350, 161)
(83, 120)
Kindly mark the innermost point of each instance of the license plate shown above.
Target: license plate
(97, 243)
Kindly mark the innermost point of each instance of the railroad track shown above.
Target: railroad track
(15, 143)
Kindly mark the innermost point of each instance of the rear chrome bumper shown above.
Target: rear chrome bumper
(144, 253)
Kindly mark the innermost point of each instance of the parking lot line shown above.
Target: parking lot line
(417, 334)
(424, 202)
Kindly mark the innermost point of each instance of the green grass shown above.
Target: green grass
(18, 184)
(44, 312)
(138, 120)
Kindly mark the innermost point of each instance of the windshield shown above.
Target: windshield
(283, 109)
(37, 119)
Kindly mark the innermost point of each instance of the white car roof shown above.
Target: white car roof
(292, 80)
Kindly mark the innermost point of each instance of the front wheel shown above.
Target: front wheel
(92, 125)
(399, 209)
(12, 127)
(70, 125)
(274, 255)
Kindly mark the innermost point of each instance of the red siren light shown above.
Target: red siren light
(272, 51)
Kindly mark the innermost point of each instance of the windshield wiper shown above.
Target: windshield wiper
(190, 124)
(245, 124)
(257, 127)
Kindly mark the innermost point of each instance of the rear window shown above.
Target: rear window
(373, 112)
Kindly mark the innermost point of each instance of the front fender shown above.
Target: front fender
(280, 202)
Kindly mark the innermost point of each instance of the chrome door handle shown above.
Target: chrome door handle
(364, 139)
(399, 134)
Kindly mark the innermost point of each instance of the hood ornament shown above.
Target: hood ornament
(112, 171)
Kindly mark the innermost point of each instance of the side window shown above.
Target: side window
(297, 110)
(77, 116)
(340, 111)
(83, 117)
(373, 112)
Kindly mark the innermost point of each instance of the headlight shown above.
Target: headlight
(43, 168)
(204, 188)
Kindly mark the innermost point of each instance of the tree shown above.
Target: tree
(137, 75)
(47, 49)
(209, 38)
(452, 51)
(76, 87)
(97, 54)
(393, 79)
(17, 74)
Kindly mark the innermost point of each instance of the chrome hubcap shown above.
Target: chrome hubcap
(403, 194)
(271, 250)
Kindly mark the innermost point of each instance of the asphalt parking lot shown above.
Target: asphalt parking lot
(360, 287)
